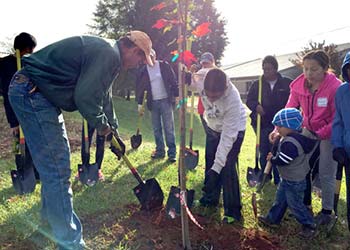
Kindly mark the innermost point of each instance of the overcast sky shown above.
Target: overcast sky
(255, 28)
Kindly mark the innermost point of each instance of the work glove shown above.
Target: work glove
(339, 155)
(118, 152)
(211, 181)
(114, 132)
(140, 110)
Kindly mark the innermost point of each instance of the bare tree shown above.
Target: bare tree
(331, 50)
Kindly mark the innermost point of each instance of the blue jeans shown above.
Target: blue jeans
(162, 114)
(290, 194)
(47, 140)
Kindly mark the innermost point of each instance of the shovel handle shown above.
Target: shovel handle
(128, 163)
(86, 136)
(266, 173)
(143, 108)
(22, 149)
(258, 125)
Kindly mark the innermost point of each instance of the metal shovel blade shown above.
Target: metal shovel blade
(23, 181)
(88, 174)
(173, 205)
(253, 176)
(191, 158)
(149, 194)
(136, 141)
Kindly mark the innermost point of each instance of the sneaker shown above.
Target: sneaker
(266, 222)
(172, 159)
(101, 176)
(157, 155)
(323, 219)
(308, 232)
(228, 220)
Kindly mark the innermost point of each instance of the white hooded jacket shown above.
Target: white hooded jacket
(227, 116)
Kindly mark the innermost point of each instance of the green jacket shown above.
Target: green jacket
(77, 74)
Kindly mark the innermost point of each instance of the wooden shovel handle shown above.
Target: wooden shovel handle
(128, 163)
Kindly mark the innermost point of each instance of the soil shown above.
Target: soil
(142, 230)
(155, 231)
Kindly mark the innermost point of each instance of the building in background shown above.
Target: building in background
(244, 74)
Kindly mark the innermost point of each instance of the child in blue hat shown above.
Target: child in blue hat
(291, 157)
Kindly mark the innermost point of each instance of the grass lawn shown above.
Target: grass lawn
(110, 214)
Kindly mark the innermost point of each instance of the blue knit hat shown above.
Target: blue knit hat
(288, 118)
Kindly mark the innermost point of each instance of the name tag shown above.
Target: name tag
(322, 102)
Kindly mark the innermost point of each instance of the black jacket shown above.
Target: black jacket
(8, 67)
(143, 84)
(272, 100)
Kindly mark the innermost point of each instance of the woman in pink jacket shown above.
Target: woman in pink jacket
(314, 92)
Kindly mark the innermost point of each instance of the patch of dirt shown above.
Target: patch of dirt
(154, 231)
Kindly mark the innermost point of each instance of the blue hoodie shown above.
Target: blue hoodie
(341, 122)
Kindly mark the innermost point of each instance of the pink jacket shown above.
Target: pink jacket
(318, 108)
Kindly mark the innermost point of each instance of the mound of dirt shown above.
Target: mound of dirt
(155, 231)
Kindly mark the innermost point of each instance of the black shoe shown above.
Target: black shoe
(266, 222)
(323, 219)
(308, 232)
(157, 155)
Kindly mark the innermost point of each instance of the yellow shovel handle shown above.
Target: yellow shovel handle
(86, 135)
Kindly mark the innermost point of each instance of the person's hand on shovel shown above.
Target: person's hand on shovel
(211, 181)
(140, 110)
(119, 152)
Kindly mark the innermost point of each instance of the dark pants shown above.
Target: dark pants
(313, 162)
(229, 179)
(100, 144)
(347, 180)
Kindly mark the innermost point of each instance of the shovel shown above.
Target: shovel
(268, 168)
(23, 179)
(136, 140)
(253, 174)
(173, 204)
(191, 156)
(265, 176)
(260, 187)
(88, 173)
(149, 192)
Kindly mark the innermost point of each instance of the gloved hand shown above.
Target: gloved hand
(211, 181)
(114, 132)
(339, 155)
(118, 152)
(140, 109)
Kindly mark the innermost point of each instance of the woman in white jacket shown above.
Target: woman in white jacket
(225, 116)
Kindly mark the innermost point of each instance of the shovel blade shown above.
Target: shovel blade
(173, 205)
(253, 176)
(149, 194)
(136, 141)
(23, 181)
(191, 158)
(88, 174)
